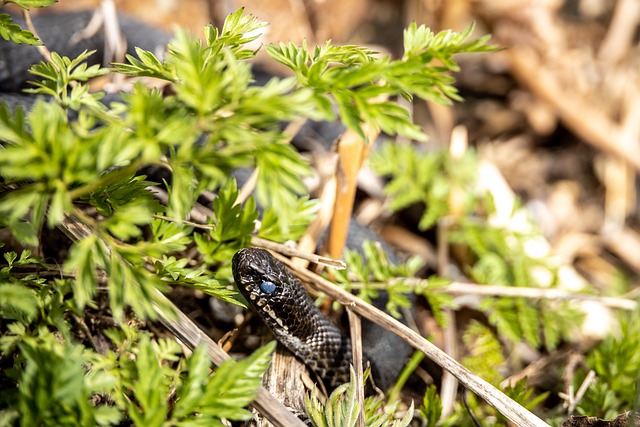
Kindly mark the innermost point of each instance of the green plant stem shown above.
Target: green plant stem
(411, 366)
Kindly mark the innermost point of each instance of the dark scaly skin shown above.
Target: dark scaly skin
(291, 315)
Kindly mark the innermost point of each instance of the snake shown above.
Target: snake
(286, 308)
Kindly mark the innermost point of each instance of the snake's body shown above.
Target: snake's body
(284, 305)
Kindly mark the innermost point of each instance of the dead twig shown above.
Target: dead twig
(461, 288)
(504, 404)
(355, 327)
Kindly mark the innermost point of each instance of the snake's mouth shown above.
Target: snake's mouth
(243, 271)
(241, 260)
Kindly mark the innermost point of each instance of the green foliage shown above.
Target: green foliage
(233, 387)
(502, 260)
(61, 74)
(431, 408)
(359, 80)
(616, 362)
(524, 396)
(147, 380)
(25, 4)
(92, 161)
(13, 32)
(304, 210)
(214, 100)
(373, 272)
(17, 301)
(487, 359)
(421, 41)
(53, 388)
(341, 409)
(427, 178)
(437, 300)
(79, 169)
(231, 228)
(499, 255)
(27, 299)
(486, 356)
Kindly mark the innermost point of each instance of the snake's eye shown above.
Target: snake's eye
(267, 287)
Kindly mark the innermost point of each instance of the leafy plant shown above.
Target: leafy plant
(138, 379)
(342, 408)
(503, 260)
(431, 408)
(62, 73)
(485, 352)
(345, 75)
(82, 171)
(372, 272)
(426, 178)
(616, 363)
(11, 31)
(498, 255)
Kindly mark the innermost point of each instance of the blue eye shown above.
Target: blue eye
(267, 287)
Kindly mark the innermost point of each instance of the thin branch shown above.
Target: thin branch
(534, 293)
(287, 250)
(42, 49)
(618, 41)
(586, 121)
(247, 189)
(519, 415)
(590, 379)
(460, 288)
(355, 327)
(268, 244)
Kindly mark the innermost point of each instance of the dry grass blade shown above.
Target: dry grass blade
(355, 327)
(504, 404)
(352, 151)
(286, 250)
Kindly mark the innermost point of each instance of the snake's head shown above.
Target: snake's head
(268, 286)
(258, 273)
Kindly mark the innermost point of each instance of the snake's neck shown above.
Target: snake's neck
(318, 343)
(284, 305)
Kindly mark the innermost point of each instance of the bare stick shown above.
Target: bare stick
(619, 38)
(248, 187)
(517, 414)
(355, 327)
(460, 288)
(42, 49)
(534, 293)
(286, 250)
